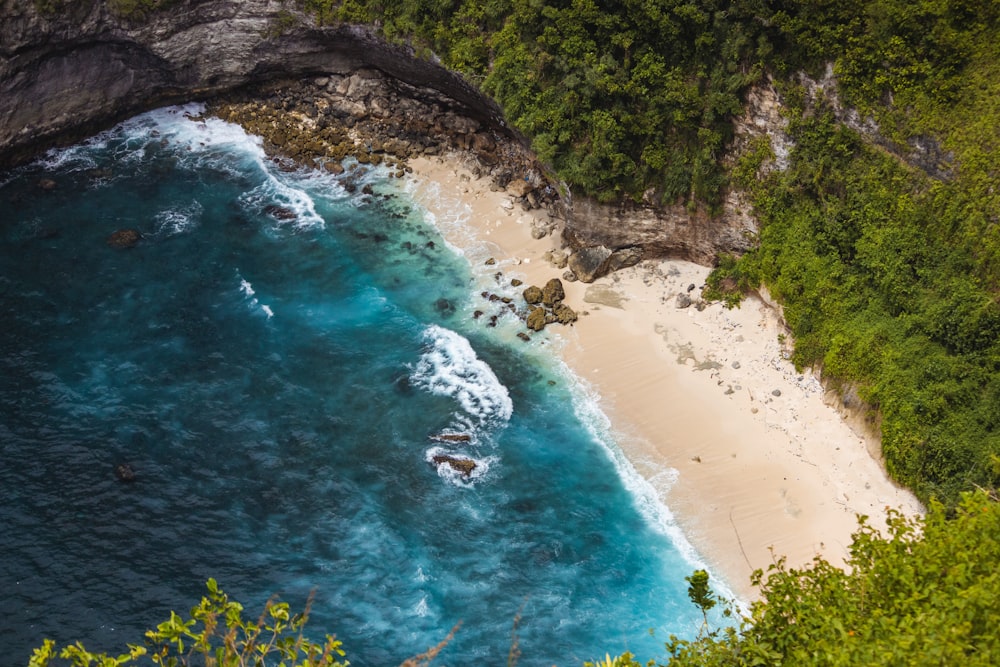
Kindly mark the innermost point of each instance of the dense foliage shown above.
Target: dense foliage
(623, 99)
(925, 594)
(888, 263)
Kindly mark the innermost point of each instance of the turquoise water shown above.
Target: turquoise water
(274, 382)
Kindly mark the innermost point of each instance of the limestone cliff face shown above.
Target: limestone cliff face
(678, 231)
(73, 72)
(67, 75)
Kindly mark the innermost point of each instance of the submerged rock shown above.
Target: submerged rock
(125, 473)
(462, 465)
(124, 238)
(280, 212)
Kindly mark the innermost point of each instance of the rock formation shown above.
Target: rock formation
(79, 68)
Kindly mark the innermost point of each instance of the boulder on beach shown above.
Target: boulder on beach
(589, 264)
(536, 319)
(553, 293)
(564, 314)
(532, 294)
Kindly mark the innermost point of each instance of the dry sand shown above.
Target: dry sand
(766, 464)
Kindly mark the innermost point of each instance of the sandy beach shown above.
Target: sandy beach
(753, 459)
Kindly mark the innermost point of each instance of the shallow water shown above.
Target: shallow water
(275, 384)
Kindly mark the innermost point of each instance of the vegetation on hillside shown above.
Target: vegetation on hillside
(889, 273)
(925, 594)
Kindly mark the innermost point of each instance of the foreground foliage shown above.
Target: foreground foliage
(215, 633)
(925, 594)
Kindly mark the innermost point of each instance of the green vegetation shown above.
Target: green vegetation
(925, 594)
(620, 99)
(889, 272)
(884, 253)
(215, 633)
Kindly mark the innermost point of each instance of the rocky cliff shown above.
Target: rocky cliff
(70, 69)
(80, 68)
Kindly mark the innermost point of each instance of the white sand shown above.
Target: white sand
(694, 391)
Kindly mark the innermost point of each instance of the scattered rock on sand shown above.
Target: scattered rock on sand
(683, 300)
(532, 294)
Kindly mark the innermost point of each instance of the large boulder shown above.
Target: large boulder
(532, 294)
(536, 319)
(553, 293)
(590, 263)
(624, 257)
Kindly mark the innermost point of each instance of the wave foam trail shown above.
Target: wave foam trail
(248, 292)
(644, 494)
(211, 143)
(450, 367)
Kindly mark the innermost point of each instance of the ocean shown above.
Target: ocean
(276, 360)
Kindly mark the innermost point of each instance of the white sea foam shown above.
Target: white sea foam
(252, 302)
(647, 498)
(448, 473)
(174, 221)
(212, 143)
(450, 367)
(421, 609)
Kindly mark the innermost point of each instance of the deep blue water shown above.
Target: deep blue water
(274, 384)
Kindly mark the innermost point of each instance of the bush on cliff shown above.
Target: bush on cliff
(925, 594)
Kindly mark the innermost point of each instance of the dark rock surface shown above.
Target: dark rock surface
(68, 74)
(462, 465)
(124, 238)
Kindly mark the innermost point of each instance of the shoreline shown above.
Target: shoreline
(762, 458)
